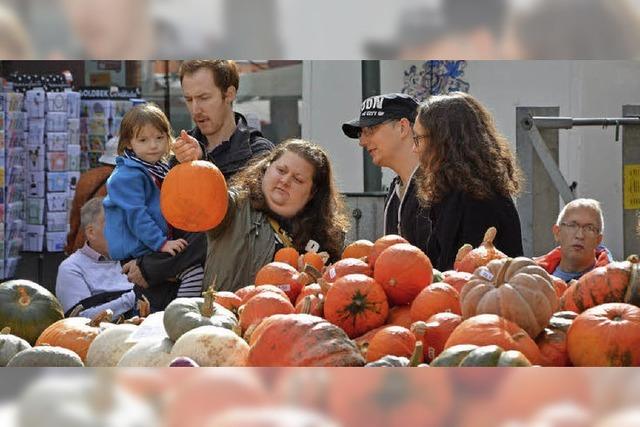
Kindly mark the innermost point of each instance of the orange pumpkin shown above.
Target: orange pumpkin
(488, 329)
(435, 332)
(263, 305)
(391, 340)
(381, 244)
(357, 304)
(310, 289)
(468, 259)
(435, 298)
(559, 285)
(552, 341)
(601, 285)
(228, 300)
(288, 256)
(344, 267)
(457, 279)
(194, 196)
(248, 292)
(282, 276)
(301, 340)
(313, 259)
(403, 270)
(605, 335)
(514, 288)
(74, 333)
(358, 249)
(400, 315)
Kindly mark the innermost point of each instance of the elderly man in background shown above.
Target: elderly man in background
(578, 231)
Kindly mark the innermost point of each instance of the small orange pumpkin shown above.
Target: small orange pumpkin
(313, 259)
(358, 249)
(311, 304)
(344, 267)
(468, 259)
(435, 332)
(282, 276)
(228, 300)
(381, 244)
(248, 292)
(391, 340)
(552, 341)
(287, 255)
(400, 315)
(435, 298)
(263, 305)
(357, 304)
(457, 279)
(194, 196)
(403, 270)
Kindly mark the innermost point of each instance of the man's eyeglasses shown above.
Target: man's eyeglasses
(417, 138)
(587, 229)
(370, 130)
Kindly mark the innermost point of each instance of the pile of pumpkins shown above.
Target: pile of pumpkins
(382, 304)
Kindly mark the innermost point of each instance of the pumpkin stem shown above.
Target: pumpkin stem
(306, 305)
(503, 270)
(5, 331)
(103, 316)
(324, 285)
(304, 278)
(489, 236)
(633, 259)
(417, 355)
(632, 296)
(419, 327)
(144, 307)
(311, 271)
(208, 307)
(462, 252)
(24, 299)
(76, 310)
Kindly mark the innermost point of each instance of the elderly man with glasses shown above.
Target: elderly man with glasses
(385, 129)
(578, 231)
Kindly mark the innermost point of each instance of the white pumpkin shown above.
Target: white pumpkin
(107, 348)
(154, 352)
(212, 346)
(10, 345)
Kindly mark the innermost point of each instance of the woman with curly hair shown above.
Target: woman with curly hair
(287, 198)
(469, 176)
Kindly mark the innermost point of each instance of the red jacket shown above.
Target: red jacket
(551, 260)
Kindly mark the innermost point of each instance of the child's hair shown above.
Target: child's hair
(139, 116)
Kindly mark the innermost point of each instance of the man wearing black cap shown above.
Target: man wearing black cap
(384, 129)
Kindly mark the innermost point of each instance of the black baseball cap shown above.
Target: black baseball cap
(380, 108)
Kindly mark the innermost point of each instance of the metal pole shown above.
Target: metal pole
(569, 122)
(370, 87)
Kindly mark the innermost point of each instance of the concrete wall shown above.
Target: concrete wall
(589, 156)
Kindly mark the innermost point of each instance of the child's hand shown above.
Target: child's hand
(174, 247)
(186, 148)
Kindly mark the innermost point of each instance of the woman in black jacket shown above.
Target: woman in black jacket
(469, 177)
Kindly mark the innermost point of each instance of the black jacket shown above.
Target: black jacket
(231, 156)
(407, 217)
(459, 218)
(160, 269)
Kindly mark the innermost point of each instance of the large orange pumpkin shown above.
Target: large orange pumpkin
(301, 340)
(263, 305)
(552, 341)
(435, 332)
(488, 329)
(514, 288)
(357, 304)
(194, 196)
(435, 298)
(74, 333)
(282, 276)
(381, 244)
(605, 335)
(391, 340)
(468, 259)
(358, 249)
(403, 270)
(601, 285)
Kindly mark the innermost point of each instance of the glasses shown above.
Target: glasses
(370, 130)
(417, 138)
(588, 229)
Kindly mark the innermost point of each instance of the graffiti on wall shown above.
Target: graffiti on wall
(434, 78)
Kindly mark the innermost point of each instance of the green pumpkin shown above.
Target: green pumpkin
(45, 356)
(466, 355)
(10, 345)
(185, 314)
(27, 308)
(437, 276)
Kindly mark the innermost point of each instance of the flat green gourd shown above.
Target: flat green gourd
(468, 355)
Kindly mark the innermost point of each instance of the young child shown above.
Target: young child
(134, 225)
